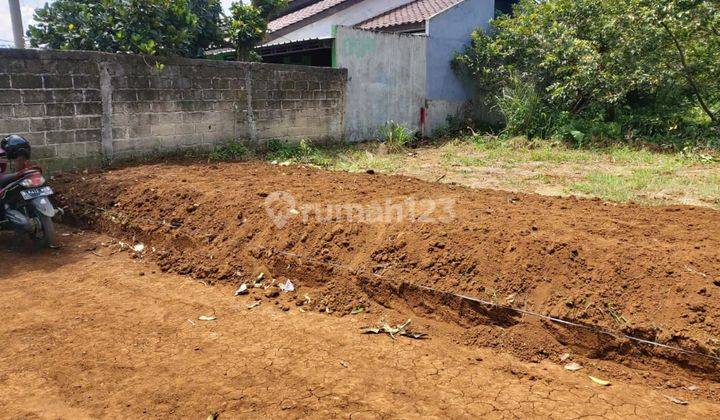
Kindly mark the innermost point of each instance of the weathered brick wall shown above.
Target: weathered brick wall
(78, 108)
(53, 103)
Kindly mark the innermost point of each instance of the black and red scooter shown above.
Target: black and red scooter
(25, 205)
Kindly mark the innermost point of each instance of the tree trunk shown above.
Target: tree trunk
(688, 73)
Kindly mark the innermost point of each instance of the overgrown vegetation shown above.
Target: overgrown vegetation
(231, 150)
(395, 135)
(344, 157)
(185, 28)
(595, 71)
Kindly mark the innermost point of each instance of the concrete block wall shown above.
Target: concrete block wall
(55, 104)
(80, 108)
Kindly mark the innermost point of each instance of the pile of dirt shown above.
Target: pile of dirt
(651, 272)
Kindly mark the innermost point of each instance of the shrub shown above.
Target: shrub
(586, 69)
(395, 135)
(523, 110)
(231, 150)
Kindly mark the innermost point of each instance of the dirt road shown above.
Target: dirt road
(89, 332)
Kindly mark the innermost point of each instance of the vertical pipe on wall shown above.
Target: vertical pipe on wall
(17, 26)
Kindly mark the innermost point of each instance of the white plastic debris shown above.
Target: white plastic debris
(676, 400)
(207, 318)
(573, 367)
(139, 248)
(242, 290)
(287, 286)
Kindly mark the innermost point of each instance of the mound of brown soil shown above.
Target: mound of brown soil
(651, 272)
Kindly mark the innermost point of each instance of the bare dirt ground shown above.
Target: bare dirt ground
(90, 334)
(99, 329)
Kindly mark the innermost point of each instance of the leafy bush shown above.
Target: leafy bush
(232, 150)
(586, 69)
(395, 135)
(523, 110)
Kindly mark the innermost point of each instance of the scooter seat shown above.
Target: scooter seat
(8, 179)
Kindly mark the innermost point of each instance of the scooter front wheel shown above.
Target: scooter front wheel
(44, 235)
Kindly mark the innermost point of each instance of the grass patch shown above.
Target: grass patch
(647, 185)
(614, 173)
(351, 158)
(231, 150)
(612, 187)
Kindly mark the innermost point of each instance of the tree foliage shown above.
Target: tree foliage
(156, 27)
(247, 25)
(649, 66)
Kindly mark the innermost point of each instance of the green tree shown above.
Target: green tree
(646, 65)
(248, 25)
(155, 27)
(210, 31)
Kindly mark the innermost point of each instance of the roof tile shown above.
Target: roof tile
(302, 14)
(414, 12)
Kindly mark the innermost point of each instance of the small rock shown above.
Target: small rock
(287, 404)
(564, 357)
(272, 293)
(284, 308)
(717, 282)
(141, 274)
(370, 172)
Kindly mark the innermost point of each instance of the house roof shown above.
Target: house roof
(302, 14)
(412, 13)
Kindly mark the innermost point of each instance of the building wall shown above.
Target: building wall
(80, 108)
(386, 79)
(448, 32)
(322, 29)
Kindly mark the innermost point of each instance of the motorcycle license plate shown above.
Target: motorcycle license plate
(33, 193)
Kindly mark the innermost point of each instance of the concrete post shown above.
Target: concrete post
(17, 25)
